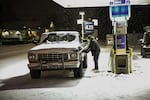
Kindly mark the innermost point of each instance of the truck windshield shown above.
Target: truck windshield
(60, 37)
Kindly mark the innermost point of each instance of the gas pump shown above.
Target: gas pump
(121, 54)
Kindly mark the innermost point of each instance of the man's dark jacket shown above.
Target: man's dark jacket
(94, 47)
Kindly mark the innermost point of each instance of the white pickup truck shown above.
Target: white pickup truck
(55, 51)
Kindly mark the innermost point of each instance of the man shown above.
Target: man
(93, 46)
(95, 50)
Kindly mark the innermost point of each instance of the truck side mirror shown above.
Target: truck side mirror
(35, 42)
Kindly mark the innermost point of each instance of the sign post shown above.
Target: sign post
(87, 27)
(82, 19)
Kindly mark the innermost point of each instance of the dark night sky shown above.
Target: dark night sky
(29, 12)
(34, 13)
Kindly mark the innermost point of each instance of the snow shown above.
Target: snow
(103, 85)
(45, 35)
(63, 44)
(60, 44)
(13, 69)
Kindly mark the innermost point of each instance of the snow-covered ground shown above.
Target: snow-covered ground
(103, 85)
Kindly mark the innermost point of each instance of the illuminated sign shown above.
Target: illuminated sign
(119, 1)
(120, 11)
(89, 27)
(121, 41)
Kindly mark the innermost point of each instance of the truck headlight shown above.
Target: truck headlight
(32, 56)
(73, 55)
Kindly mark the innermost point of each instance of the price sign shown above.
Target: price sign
(89, 27)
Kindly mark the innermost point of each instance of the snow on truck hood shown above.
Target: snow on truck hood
(49, 45)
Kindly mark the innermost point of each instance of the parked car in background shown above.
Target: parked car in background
(145, 43)
(12, 37)
(57, 50)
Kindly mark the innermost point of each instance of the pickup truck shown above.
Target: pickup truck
(58, 50)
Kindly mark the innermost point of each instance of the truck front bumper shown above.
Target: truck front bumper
(56, 65)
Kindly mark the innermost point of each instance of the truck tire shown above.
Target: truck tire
(141, 50)
(35, 74)
(78, 72)
(144, 54)
(85, 62)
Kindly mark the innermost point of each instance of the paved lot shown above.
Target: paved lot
(16, 84)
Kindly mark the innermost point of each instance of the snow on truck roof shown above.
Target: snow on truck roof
(62, 32)
(44, 35)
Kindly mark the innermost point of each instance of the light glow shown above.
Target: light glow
(94, 3)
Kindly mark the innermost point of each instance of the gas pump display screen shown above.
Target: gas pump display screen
(121, 41)
(119, 11)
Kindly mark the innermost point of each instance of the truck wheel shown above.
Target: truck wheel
(144, 54)
(141, 50)
(85, 62)
(35, 73)
(78, 72)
